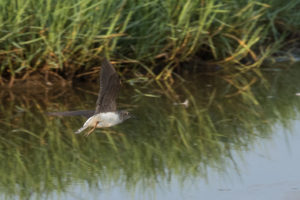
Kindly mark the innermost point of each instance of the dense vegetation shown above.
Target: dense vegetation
(71, 36)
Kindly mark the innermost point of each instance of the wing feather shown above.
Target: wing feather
(109, 88)
(85, 113)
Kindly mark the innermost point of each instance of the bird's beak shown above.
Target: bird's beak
(132, 116)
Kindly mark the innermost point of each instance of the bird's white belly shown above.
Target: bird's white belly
(107, 119)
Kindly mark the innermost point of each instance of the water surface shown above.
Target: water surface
(236, 140)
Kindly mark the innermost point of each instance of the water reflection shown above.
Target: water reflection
(42, 157)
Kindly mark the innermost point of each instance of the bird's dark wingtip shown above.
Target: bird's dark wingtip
(85, 113)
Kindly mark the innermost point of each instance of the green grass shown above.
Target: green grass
(70, 36)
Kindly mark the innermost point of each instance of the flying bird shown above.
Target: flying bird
(106, 113)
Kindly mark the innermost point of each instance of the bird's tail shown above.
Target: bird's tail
(81, 129)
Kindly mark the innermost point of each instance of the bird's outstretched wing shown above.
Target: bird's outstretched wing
(85, 113)
(109, 87)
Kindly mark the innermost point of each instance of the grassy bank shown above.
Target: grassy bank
(70, 36)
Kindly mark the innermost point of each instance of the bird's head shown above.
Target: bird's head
(124, 115)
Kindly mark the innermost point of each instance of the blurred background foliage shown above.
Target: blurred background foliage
(150, 38)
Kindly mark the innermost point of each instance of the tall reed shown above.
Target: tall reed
(69, 36)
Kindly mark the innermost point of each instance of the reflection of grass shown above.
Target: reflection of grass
(69, 36)
(40, 154)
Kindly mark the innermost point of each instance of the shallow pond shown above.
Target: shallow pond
(235, 140)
